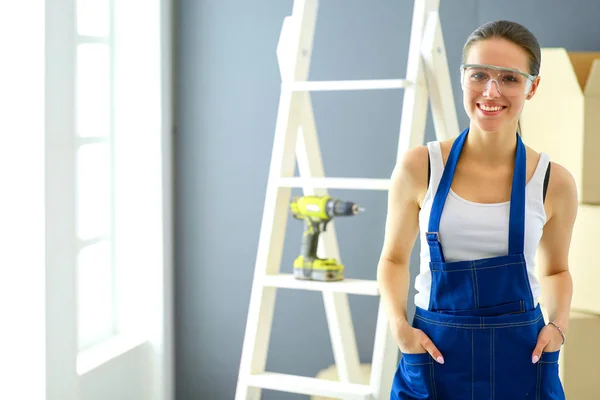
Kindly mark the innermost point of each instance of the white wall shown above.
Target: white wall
(122, 378)
(22, 237)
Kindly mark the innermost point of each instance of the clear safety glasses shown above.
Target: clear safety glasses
(510, 82)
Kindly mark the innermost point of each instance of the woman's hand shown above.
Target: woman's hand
(415, 341)
(549, 340)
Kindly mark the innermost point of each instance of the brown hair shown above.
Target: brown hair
(513, 32)
(510, 31)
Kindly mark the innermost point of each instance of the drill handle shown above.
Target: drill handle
(310, 239)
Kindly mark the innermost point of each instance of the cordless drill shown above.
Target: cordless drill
(318, 211)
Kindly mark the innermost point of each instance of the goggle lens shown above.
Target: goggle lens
(509, 82)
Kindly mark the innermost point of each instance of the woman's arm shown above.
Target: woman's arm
(408, 184)
(553, 258)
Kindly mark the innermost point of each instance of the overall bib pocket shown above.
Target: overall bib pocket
(486, 287)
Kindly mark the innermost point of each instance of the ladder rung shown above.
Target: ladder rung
(368, 84)
(350, 286)
(309, 386)
(337, 183)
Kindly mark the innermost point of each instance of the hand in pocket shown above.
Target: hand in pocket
(415, 341)
(549, 341)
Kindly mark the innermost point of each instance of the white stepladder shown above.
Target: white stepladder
(428, 80)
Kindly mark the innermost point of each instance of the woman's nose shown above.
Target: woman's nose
(492, 90)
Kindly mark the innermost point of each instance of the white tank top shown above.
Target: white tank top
(470, 231)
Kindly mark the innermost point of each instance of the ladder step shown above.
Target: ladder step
(310, 386)
(368, 84)
(337, 183)
(350, 286)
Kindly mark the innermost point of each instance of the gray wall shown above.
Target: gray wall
(227, 98)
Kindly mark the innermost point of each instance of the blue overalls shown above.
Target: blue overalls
(481, 316)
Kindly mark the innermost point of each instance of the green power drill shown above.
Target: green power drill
(318, 211)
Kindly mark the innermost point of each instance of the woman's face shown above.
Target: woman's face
(495, 106)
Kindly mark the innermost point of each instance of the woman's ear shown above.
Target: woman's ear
(534, 86)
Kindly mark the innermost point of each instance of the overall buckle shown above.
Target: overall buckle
(437, 236)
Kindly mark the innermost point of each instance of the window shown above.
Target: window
(107, 171)
(94, 186)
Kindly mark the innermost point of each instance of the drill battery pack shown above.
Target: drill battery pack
(318, 269)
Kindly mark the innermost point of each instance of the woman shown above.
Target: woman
(484, 204)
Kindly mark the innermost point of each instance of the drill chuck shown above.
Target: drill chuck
(342, 208)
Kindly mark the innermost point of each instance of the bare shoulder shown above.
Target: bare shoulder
(562, 194)
(402, 221)
(556, 238)
(412, 162)
(562, 189)
(410, 174)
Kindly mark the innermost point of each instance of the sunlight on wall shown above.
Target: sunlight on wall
(22, 253)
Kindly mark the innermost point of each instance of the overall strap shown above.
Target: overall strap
(516, 234)
(432, 234)
(517, 203)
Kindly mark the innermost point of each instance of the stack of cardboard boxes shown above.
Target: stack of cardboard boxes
(563, 120)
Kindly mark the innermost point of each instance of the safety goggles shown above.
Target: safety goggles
(509, 81)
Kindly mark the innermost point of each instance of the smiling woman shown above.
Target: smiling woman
(486, 209)
(513, 62)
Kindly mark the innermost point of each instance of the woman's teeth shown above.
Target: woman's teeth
(490, 108)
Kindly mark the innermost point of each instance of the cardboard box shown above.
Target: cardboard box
(584, 263)
(578, 369)
(563, 118)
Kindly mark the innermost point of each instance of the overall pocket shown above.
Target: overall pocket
(512, 346)
(493, 311)
(549, 384)
(502, 281)
(485, 287)
(452, 286)
(452, 380)
(414, 378)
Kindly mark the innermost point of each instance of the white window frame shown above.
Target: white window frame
(108, 40)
